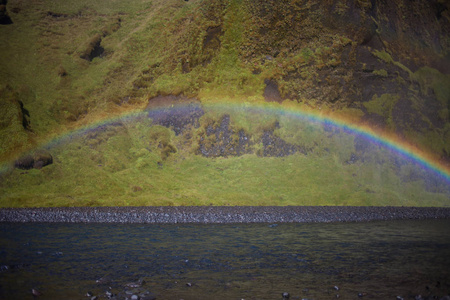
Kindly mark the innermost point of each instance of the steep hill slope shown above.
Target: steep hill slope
(383, 63)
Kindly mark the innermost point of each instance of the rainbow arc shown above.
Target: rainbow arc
(391, 142)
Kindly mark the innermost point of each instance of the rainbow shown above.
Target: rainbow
(391, 142)
(379, 137)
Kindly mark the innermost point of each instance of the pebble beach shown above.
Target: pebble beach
(220, 214)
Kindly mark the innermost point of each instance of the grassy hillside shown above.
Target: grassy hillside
(233, 157)
(65, 65)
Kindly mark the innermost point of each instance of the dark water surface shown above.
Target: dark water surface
(382, 259)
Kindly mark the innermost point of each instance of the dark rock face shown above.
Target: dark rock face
(37, 160)
(416, 30)
(275, 146)
(384, 49)
(222, 140)
(215, 137)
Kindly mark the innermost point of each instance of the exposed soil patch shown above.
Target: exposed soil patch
(271, 92)
(212, 38)
(93, 49)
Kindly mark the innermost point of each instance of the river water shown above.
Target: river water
(378, 260)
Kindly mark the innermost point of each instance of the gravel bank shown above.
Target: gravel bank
(220, 214)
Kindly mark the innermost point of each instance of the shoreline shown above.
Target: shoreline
(219, 214)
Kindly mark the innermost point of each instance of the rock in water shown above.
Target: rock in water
(35, 293)
(103, 280)
(133, 285)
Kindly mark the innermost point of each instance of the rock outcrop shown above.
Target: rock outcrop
(36, 160)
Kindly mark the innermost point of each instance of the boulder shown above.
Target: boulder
(35, 160)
